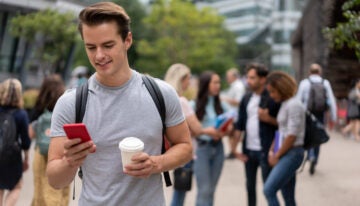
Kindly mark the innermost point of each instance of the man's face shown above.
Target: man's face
(253, 80)
(229, 77)
(106, 50)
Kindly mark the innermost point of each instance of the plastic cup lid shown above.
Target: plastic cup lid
(131, 144)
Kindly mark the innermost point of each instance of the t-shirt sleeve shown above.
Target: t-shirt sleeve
(64, 113)
(174, 113)
(296, 118)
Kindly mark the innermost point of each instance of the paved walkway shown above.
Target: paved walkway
(336, 181)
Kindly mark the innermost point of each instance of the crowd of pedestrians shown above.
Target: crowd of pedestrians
(270, 126)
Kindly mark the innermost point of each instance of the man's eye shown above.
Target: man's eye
(109, 46)
(90, 48)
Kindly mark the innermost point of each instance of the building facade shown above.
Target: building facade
(285, 17)
(340, 67)
(270, 21)
(15, 53)
(247, 19)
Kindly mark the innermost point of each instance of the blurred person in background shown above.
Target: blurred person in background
(257, 123)
(353, 112)
(307, 92)
(233, 96)
(210, 151)
(12, 168)
(178, 75)
(287, 155)
(51, 89)
(79, 76)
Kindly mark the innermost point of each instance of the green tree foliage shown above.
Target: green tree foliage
(137, 13)
(176, 31)
(347, 34)
(52, 34)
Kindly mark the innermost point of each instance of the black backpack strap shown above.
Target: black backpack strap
(158, 98)
(80, 104)
(80, 107)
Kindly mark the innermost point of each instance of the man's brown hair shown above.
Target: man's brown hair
(261, 70)
(102, 12)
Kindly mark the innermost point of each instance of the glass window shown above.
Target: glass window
(281, 5)
(282, 36)
(241, 12)
(245, 32)
(295, 5)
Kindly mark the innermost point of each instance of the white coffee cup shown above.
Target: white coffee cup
(130, 146)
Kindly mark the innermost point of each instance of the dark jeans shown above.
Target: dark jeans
(313, 153)
(256, 159)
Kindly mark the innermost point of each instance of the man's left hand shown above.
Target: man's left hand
(142, 166)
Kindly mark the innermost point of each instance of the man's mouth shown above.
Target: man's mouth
(103, 63)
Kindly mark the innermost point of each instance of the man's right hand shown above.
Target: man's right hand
(75, 152)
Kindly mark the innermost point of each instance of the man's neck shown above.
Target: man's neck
(260, 90)
(118, 79)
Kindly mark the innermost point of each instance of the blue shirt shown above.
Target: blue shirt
(210, 116)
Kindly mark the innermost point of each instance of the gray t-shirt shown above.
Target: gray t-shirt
(113, 113)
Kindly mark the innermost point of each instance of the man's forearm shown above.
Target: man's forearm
(59, 173)
(176, 156)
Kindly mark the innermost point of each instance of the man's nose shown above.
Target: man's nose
(99, 54)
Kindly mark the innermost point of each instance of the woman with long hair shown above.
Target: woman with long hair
(290, 153)
(11, 102)
(178, 75)
(51, 89)
(210, 151)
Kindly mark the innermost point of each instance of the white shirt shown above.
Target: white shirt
(236, 91)
(304, 91)
(252, 124)
(291, 119)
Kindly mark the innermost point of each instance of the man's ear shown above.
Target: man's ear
(128, 41)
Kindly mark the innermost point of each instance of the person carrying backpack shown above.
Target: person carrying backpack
(119, 105)
(39, 129)
(317, 96)
(14, 139)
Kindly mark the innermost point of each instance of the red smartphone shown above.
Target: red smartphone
(77, 130)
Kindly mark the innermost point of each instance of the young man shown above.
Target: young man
(233, 97)
(303, 95)
(118, 106)
(257, 119)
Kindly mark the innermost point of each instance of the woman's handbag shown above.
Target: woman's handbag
(315, 133)
(183, 178)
